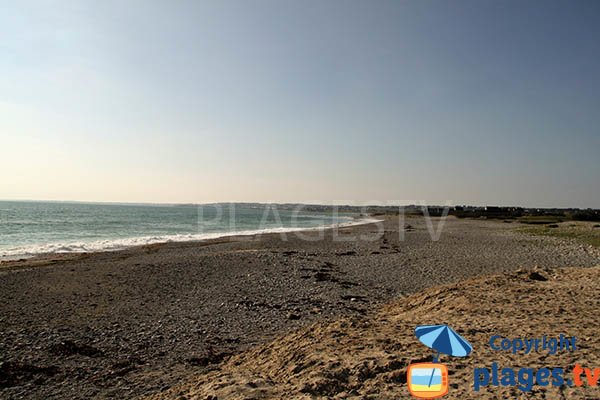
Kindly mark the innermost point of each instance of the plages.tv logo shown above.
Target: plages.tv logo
(430, 380)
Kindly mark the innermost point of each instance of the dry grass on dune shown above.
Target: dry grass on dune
(368, 357)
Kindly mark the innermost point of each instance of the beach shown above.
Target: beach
(368, 357)
(237, 200)
(145, 320)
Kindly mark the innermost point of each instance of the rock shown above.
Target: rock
(208, 358)
(69, 348)
(322, 277)
(536, 276)
(16, 374)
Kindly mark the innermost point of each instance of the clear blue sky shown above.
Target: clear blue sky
(479, 102)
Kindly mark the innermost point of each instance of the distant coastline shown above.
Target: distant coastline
(25, 251)
(32, 228)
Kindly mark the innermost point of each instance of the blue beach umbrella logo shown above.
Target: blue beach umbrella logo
(443, 340)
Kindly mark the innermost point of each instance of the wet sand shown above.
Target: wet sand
(139, 321)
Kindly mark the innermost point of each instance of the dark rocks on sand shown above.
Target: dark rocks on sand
(536, 276)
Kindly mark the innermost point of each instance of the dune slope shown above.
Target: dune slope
(367, 357)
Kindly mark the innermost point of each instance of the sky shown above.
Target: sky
(442, 102)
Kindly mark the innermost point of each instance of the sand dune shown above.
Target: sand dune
(368, 357)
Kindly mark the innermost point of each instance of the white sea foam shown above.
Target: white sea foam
(123, 243)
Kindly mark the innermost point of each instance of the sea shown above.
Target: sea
(30, 228)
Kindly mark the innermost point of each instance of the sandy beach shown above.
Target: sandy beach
(146, 320)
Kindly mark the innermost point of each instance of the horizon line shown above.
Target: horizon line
(330, 204)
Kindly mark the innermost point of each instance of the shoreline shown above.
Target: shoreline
(208, 238)
(135, 322)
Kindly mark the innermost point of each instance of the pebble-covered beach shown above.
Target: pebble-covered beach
(139, 321)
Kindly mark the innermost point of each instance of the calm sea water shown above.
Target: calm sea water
(31, 228)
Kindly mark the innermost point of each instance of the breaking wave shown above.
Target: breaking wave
(124, 243)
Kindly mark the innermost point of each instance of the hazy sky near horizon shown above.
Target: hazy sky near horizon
(478, 102)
